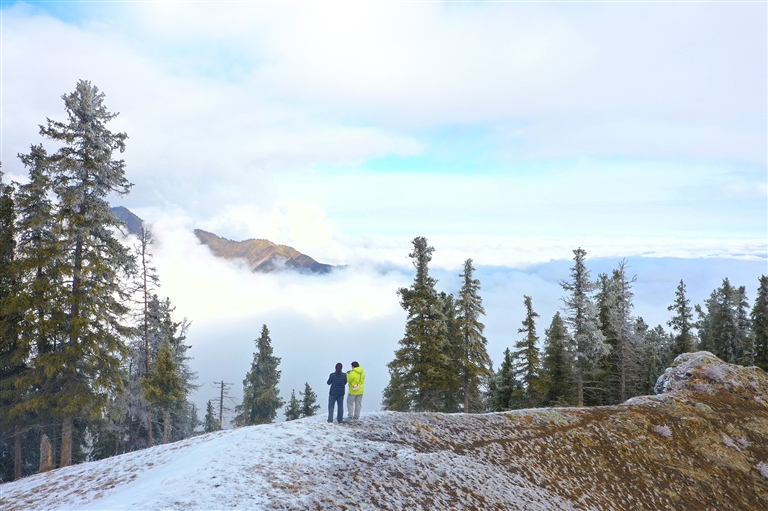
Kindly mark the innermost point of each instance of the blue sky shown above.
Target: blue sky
(510, 133)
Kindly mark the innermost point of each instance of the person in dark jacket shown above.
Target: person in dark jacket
(337, 381)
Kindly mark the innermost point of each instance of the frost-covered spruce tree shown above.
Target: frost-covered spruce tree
(604, 381)
(723, 327)
(293, 408)
(506, 390)
(422, 368)
(164, 388)
(149, 334)
(747, 353)
(527, 360)
(85, 371)
(309, 406)
(261, 397)
(655, 355)
(473, 362)
(210, 423)
(452, 392)
(628, 347)
(681, 323)
(557, 363)
(146, 283)
(588, 342)
(759, 317)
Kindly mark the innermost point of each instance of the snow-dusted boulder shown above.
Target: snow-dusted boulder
(705, 373)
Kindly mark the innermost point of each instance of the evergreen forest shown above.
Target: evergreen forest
(91, 362)
(595, 351)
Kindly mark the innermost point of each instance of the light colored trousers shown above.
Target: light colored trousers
(357, 401)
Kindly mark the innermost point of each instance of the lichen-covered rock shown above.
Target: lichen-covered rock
(703, 372)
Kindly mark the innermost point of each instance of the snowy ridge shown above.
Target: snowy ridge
(703, 445)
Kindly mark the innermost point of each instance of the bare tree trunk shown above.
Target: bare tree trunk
(166, 426)
(623, 368)
(221, 407)
(146, 348)
(466, 395)
(149, 425)
(580, 382)
(67, 424)
(46, 454)
(66, 442)
(145, 289)
(17, 455)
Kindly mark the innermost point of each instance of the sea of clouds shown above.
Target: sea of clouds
(354, 313)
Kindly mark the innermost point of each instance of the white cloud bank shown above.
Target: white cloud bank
(354, 313)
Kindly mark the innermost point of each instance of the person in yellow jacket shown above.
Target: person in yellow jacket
(356, 381)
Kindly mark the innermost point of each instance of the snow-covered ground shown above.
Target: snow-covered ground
(300, 464)
(703, 445)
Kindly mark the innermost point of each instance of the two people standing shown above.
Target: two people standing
(337, 380)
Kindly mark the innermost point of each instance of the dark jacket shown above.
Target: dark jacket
(337, 381)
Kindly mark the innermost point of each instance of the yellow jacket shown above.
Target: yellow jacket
(356, 380)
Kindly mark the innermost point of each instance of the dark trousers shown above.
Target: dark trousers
(339, 402)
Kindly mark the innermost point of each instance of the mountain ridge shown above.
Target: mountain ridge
(261, 255)
(132, 222)
(701, 444)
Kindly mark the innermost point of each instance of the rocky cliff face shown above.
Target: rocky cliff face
(261, 255)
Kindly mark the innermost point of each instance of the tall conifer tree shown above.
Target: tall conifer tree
(14, 351)
(84, 173)
(38, 299)
(152, 330)
(146, 282)
(723, 326)
(527, 359)
(473, 362)
(557, 363)
(605, 384)
(422, 368)
(164, 386)
(628, 346)
(655, 355)
(588, 341)
(453, 391)
(759, 316)
(746, 355)
(506, 390)
(681, 323)
(261, 397)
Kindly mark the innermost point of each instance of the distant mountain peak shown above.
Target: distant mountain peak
(262, 256)
(132, 221)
